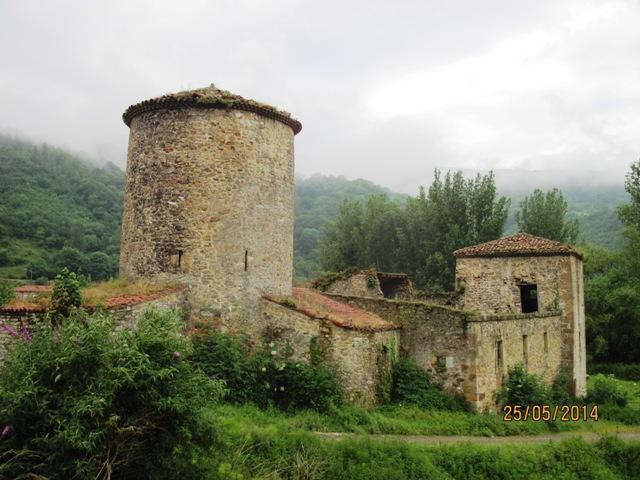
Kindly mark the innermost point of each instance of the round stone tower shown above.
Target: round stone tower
(209, 198)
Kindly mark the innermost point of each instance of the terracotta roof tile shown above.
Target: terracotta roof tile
(316, 305)
(213, 98)
(34, 288)
(519, 245)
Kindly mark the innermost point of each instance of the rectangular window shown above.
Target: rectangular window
(499, 357)
(525, 349)
(528, 297)
(246, 260)
(545, 340)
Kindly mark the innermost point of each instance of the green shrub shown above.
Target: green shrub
(86, 400)
(65, 295)
(623, 371)
(523, 388)
(7, 292)
(605, 390)
(413, 386)
(224, 357)
(559, 393)
(264, 377)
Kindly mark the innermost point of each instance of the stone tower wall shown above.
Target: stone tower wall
(491, 288)
(209, 202)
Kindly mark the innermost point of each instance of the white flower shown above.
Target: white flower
(264, 369)
(273, 352)
(271, 345)
(282, 389)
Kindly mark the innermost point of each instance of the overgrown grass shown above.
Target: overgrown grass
(98, 293)
(394, 420)
(271, 455)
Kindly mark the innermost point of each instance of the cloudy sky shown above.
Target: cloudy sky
(386, 90)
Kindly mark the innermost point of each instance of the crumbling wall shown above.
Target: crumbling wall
(355, 354)
(490, 287)
(360, 284)
(434, 336)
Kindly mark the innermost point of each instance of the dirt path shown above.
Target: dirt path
(505, 440)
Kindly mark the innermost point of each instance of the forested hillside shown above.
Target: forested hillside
(58, 209)
(318, 200)
(55, 210)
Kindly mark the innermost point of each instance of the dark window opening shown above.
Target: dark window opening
(545, 340)
(499, 358)
(529, 297)
(525, 350)
(179, 258)
(246, 260)
(393, 285)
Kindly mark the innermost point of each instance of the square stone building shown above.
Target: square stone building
(518, 299)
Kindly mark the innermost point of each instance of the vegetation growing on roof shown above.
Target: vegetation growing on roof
(325, 281)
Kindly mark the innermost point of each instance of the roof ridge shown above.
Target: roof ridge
(519, 244)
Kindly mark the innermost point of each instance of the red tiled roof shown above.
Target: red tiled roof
(34, 289)
(316, 305)
(213, 98)
(519, 245)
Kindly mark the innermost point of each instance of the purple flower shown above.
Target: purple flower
(177, 355)
(6, 431)
(10, 330)
(26, 334)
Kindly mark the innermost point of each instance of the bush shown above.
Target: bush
(411, 385)
(65, 295)
(7, 292)
(523, 388)
(623, 371)
(605, 390)
(266, 377)
(86, 400)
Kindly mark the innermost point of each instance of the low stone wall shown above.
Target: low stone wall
(356, 355)
(126, 315)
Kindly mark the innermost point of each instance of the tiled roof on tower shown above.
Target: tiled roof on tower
(519, 245)
(213, 98)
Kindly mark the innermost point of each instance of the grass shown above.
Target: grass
(103, 292)
(396, 420)
(109, 293)
(299, 455)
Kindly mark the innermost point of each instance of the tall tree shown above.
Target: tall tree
(545, 215)
(421, 237)
(630, 213)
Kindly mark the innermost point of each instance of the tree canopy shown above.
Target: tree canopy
(545, 215)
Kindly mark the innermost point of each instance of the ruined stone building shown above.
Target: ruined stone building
(209, 204)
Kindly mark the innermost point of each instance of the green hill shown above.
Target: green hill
(57, 209)
(317, 200)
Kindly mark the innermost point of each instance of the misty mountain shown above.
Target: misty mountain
(59, 208)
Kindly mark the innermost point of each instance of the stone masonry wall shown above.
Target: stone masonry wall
(357, 285)
(355, 354)
(209, 203)
(434, 336)
(540, 351)
(491, 284)
(491, 287)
